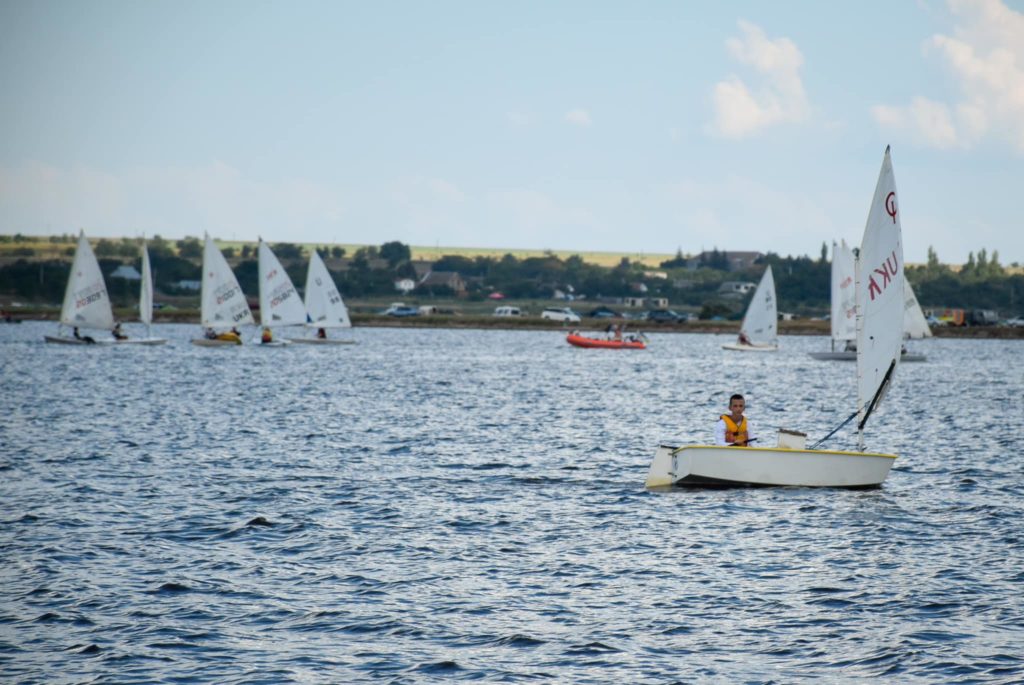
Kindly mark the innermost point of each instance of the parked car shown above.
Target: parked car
(507, 311)
(983, 317)
(399, 309)
(1016, 322)
(666, 316)
(560, 314)
(604, 313)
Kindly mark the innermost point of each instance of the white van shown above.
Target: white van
(563, 314)
(507, 311)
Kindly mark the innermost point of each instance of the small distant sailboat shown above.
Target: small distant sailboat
(879, 293)
(279, 300)
(915, 326)
(324, 305)
(146, 303)
(86, 302)
(223, 305)
(844, 312)
(759, 331)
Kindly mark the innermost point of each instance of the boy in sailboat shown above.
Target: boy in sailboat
(733, 429)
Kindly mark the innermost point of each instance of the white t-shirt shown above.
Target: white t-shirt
(720, 432)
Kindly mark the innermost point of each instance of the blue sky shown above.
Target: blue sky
(634, 127)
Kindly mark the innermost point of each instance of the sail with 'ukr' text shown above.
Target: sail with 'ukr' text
(86, 302)
(844, 300)
(880, 295)
(223, 303)
(761, 322)
(915, 326)
(280, 304)
(323, 301)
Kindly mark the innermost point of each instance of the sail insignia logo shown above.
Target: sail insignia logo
(890, 205)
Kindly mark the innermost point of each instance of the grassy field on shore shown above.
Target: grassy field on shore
(42, 249)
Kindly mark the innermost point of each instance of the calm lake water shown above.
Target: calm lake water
(433, 505)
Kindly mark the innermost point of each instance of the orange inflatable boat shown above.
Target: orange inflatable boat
(627, 343)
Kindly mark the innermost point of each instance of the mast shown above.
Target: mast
(860, 327)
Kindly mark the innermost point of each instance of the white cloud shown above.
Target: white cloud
(578, 117)
(741, 111)
(924, 120)
(985, 57)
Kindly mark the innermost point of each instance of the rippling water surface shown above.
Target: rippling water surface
(436, 505)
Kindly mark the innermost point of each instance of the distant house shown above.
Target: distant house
(447, 279)
(735, 288)
(657, 302)
(188, 285)
(633, 301)
(127, 272)
(421, 268)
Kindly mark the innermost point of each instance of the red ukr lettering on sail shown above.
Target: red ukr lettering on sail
(887, 271)
(890, 206)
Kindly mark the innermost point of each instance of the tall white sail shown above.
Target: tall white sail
(914, 324)
(844, 300)
(279, 301)
(879, 276)
(86, 302)
(323, 301)
(761, 322)
(146, 290)
(223, 304)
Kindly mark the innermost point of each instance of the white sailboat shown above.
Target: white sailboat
(878, 285)
(223, 305)
(844, 311)
(915, 326)
(324, 305)
(86, 302)
(759, 331)
(146, 303)
(279, 301)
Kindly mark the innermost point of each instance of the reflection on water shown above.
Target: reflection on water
(442, 504)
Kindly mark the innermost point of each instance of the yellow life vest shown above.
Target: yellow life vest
(733, 433)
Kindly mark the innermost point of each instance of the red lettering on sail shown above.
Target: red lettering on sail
(890, 205)
(888, 270)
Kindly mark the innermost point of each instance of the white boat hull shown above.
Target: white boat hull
(852, 357)
(705, 465)
(321, 341)
(104, 341)
(740, 347)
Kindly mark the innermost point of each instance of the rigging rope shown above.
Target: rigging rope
(835, 430)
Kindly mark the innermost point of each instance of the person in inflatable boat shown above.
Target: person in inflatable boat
(733, 429)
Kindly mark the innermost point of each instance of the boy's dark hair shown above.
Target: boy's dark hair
(736, 397)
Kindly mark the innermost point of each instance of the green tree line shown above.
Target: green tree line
(802, 282)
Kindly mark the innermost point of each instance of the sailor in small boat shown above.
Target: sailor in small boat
(267, 337)
(733, 429)
(210, 334)
(230, 336)
(118, 333)
(85, 338)
(321, 333)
